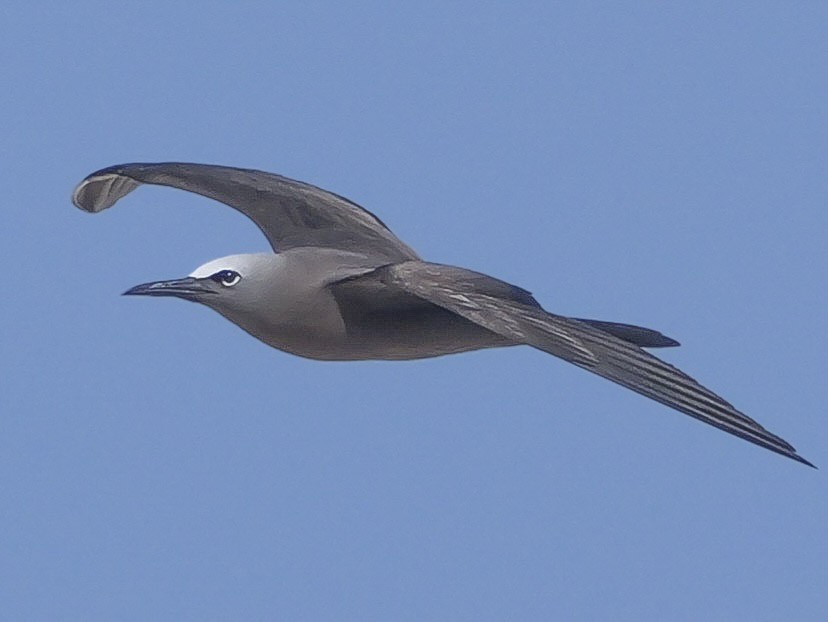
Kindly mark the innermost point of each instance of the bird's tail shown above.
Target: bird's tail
(638, 335)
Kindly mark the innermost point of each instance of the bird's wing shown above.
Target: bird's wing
(459, 291)
(290, 213)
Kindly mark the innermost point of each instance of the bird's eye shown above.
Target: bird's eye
(228, 278)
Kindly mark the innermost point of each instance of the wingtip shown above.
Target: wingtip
(102, 189)
(799, 458)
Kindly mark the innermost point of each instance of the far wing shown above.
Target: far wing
(290, 213)
(459, 291)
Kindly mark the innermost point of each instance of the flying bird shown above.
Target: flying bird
(341, 286)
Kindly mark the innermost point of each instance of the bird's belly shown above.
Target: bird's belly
(404, 336)
(381, 332)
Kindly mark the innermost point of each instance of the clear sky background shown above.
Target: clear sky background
(657, 163)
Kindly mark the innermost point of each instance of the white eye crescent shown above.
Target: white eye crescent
(228, 278)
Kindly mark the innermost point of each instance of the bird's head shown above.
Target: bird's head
(278, 302)
(229, 285)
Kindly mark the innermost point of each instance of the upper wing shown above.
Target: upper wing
(290, 213)
(458, 290)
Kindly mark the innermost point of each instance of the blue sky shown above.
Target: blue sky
(654, 163)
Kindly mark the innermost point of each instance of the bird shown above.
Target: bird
(340, 286)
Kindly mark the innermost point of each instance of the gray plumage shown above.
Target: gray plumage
(341, 286)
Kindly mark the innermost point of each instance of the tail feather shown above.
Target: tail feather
(638, 335)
